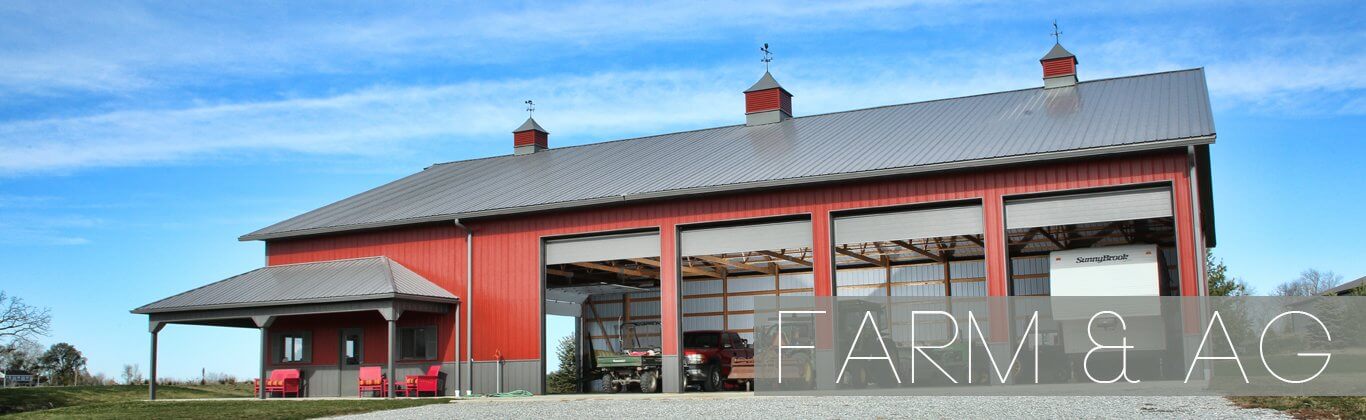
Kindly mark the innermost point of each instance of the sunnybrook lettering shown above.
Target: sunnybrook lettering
(1103, 258)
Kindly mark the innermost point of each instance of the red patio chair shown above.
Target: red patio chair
(283, 381)
(371, 379)
(417, 384)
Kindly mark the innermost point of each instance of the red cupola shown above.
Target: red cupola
(1059, 67)
(530, 138)
(767, 102)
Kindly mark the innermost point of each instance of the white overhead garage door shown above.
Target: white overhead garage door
(602, 248)
(732, 239)
(1098, 207)
(913, 224)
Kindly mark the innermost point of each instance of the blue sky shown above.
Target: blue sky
(137, 141)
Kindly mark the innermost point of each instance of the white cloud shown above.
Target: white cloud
(129, 48)
(44, 229)
(383, 119)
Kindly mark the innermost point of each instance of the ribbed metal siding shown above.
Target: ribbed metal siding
(1101, 113)
(507, 251)
(434, 252)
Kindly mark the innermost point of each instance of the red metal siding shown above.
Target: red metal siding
(436, 252)
(507, 251)
(326, 335)
(1059, 67)
(506, 295)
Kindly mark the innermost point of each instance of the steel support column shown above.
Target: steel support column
(265, 356)
(391, 315)
(152, 384)
(393, 331)
(263, 324)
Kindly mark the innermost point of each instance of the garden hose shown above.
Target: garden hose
(509, 394)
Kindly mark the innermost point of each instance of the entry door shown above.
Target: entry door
(349, 358)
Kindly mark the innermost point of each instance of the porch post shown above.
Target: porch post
(391, 315)
(265, 355)
(393, 330)
(154, 328)
(263, 323)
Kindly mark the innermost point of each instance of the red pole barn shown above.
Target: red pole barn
(459, 265)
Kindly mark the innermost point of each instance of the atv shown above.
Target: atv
(639, 364)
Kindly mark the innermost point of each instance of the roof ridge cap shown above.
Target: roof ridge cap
(249, 272)
(389, 265)
(817, 115)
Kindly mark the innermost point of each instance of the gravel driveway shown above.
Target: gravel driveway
(740, 405)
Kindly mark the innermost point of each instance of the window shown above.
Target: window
(293, 348)
(417, 343)
(702, 340)
(351, 349)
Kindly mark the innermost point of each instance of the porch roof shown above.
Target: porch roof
(340, 281)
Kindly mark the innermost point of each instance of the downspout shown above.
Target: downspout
(468, 303)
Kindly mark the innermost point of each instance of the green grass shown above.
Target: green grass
(15, 400)
(245, 409)
(176, 402)
(1309, 407)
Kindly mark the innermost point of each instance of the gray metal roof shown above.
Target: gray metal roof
(1343, 288)
(1098, 117)
(330, 281)
(530, 124)
(1058, 52)
(766, 82)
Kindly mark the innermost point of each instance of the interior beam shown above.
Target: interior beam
(786, 257)
(844, 250)
(620, 270)
(739, 265)
(919, 250)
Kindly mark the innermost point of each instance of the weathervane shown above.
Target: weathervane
(768, 56)
(1057, 35)
(530, 107)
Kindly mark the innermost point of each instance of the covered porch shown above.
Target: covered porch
(327, 320)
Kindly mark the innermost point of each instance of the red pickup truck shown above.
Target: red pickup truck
(708, 354)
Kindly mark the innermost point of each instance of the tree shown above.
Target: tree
(1220, 283)
(1360, 290)
(1311, 282)
(565, 380)
(131, 374)
(20, 355)
(20, 321)
(63, 364)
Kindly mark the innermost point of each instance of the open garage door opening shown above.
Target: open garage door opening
(609, 286)
(723, 269)
(925, 252)
(1118, 242)
(934, 251)
(1048, 235)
